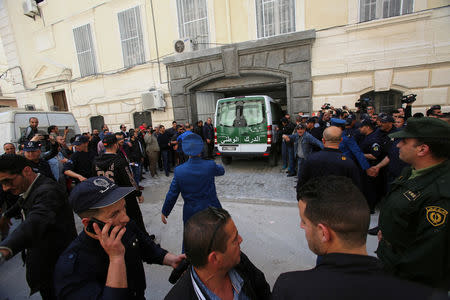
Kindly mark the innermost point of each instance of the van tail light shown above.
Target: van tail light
(269, 134)
(215, 135)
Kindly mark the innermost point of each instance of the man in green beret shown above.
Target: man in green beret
(414, 228)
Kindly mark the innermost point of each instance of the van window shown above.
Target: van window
(226, 113)
(253, 112)
(240, 113)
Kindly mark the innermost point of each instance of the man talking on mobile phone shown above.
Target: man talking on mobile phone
(105, 260)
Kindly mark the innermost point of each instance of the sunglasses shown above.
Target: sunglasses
(222, 218)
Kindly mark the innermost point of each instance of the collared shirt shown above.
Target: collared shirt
(236, 281)
(416, 173)
(27, 192)
(300, 147)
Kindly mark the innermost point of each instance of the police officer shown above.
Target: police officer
(329, 161)
(105, 260)
(39, 164)
(414, 229)
(371, 147)
(79, 167)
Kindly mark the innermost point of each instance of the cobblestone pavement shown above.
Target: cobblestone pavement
(261, 201)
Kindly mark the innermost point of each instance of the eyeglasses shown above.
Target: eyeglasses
(222, 217)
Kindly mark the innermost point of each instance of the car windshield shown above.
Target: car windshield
(241, 113)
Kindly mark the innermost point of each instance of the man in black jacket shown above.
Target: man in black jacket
(48, 226)
(116, 168)
(335, 217)
(219, 268)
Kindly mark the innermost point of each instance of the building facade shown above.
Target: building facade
(104, 60)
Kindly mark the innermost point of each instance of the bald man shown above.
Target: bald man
(330, 160)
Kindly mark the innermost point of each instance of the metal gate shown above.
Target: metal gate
(140, 117)
(206, 104)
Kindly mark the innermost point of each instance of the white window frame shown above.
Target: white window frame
(85, 70)
(138, 54)
(202, 41)
(378, 9)
(261, 24)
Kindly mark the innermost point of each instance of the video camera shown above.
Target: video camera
(363, 103)
(409, 98)
(326, 106)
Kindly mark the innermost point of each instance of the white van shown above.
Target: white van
(13, 123)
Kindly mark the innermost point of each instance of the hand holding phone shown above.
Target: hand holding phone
(109, 236)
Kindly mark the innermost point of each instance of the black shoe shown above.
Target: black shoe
(373, 231)
(142, 177)
(167, 174)
(291, 175)
(152, 237)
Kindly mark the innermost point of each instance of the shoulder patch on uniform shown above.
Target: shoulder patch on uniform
(343, 158)
(436, 215)
(410, 195)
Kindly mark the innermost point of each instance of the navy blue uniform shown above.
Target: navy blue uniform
(371, 144)
(329, 162)
(81, 270)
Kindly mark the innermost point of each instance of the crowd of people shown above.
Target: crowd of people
(347, 164)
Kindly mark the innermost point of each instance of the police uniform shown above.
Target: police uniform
(415, 242)
(82, 269)
(371, 144)
(414, 224)
(329, 162)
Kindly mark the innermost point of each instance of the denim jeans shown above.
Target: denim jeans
(284, 154)
(136, 169)
(300, 162)
(165, 159)
(290, 151)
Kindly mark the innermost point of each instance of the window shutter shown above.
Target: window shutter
(131, 37)
(85, 50)
(275, 17)
(193, 21)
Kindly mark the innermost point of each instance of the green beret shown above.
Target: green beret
(425, 127)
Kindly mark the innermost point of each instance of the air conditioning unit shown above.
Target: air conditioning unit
(153, 100)
(30, 107)
(30, 8)
(184, 45)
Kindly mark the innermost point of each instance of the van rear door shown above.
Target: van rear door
(241, 125)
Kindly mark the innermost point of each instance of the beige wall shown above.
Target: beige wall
(409, 53)
(324, 13)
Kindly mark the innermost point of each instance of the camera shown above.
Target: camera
(409, 98)
(363, 103)
(326, 106)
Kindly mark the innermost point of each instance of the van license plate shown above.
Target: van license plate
(232, 148)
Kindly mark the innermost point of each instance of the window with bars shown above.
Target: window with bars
(275, 17)
(193, 21)
(85, 50)
(131, 37)
(378, 9)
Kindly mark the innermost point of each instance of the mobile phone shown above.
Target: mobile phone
(67, 127)
(90, 228)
